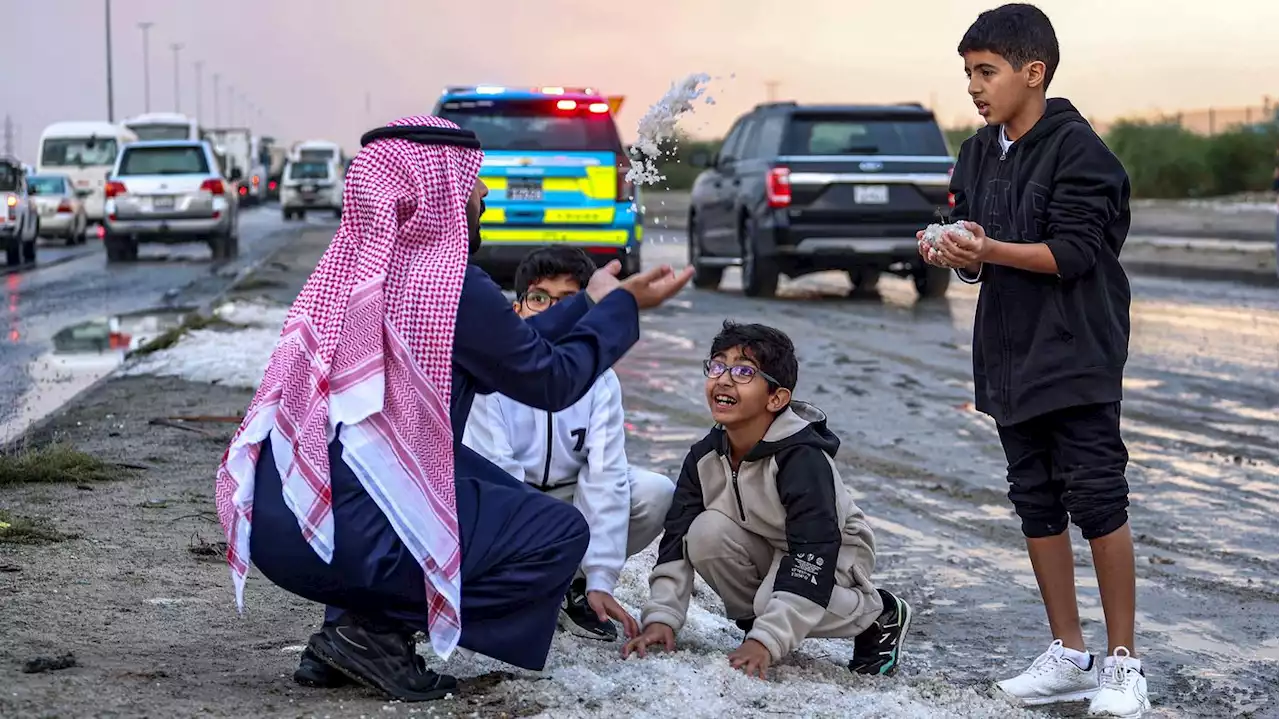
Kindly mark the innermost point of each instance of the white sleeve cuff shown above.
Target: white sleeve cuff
(600, 579)
(970, 279)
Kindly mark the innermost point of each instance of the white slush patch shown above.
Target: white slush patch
(586, 678)
(659, 125)
(233, 357)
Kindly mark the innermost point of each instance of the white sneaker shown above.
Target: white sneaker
(1051, 678)
(1124, 688)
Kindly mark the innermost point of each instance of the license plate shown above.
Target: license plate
(525, 190)
(162, 202)
(871, 194)
(46, 210)
(308, 188)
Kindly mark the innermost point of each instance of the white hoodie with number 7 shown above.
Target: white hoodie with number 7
(578, 454)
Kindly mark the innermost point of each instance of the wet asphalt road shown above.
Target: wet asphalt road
(56, 293)
(894, 376)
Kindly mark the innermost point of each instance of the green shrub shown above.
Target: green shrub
(1163, 159)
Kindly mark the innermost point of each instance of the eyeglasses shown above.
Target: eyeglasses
(739, 373)
(540, 301)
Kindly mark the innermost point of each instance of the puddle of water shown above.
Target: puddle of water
(83, 354)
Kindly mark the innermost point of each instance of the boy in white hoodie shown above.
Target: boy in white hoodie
(578, 455)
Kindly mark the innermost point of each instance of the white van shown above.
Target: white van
(322, 150)
(164, 126)
(311, 185)
(86, 152)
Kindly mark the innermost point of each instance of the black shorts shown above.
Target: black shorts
(1069, 463)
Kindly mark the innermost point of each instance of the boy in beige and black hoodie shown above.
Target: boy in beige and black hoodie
(761, 513)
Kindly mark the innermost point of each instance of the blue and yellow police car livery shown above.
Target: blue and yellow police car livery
(556, 171)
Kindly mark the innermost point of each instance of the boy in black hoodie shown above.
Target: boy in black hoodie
(1048, 206)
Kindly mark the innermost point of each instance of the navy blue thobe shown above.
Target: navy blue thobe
(520, 548)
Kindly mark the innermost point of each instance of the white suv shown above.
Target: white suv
(170, 191)
(311, 185)
(19, 218)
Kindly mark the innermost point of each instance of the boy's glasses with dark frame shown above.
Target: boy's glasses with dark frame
(739, 373)
(540, 301)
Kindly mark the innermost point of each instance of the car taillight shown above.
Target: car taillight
(213, 187)
(626, 191)
(64, 206)
(598, 108)
(271, 185)
(114, 189)
(777, 187)
(256, 180)
(244, 190)
(951, 198)
(12, 202)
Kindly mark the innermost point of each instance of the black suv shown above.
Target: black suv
(797, 189)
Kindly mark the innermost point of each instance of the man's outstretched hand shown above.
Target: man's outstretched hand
(604, 280)
(655, 286)
(650, 288)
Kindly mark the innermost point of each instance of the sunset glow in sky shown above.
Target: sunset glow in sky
(308, 64)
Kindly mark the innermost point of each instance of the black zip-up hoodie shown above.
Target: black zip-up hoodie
(1046, 342)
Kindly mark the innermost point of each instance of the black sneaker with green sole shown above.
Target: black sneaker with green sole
(878, 650)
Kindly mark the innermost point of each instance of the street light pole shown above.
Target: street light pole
(111, 97)
(199, 92)
(177, 88)
(217, 117)
(146, 65)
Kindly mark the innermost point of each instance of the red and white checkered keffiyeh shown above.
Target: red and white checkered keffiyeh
(368, 344)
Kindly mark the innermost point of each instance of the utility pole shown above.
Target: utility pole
(146, 64)
(199, 92)
(111, 99)
(177, 87)
(771, 90)
(217, 117)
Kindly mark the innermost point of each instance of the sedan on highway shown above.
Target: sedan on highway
(60, 207)
(170, 191)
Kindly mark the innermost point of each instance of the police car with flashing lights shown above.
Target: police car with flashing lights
(556, 171)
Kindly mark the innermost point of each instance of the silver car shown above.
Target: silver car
(19, 222)
(61, 209)
(170, 191)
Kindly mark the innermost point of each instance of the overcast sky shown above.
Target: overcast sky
(309, 65)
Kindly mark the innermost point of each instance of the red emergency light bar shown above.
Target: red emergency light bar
(598, 108)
